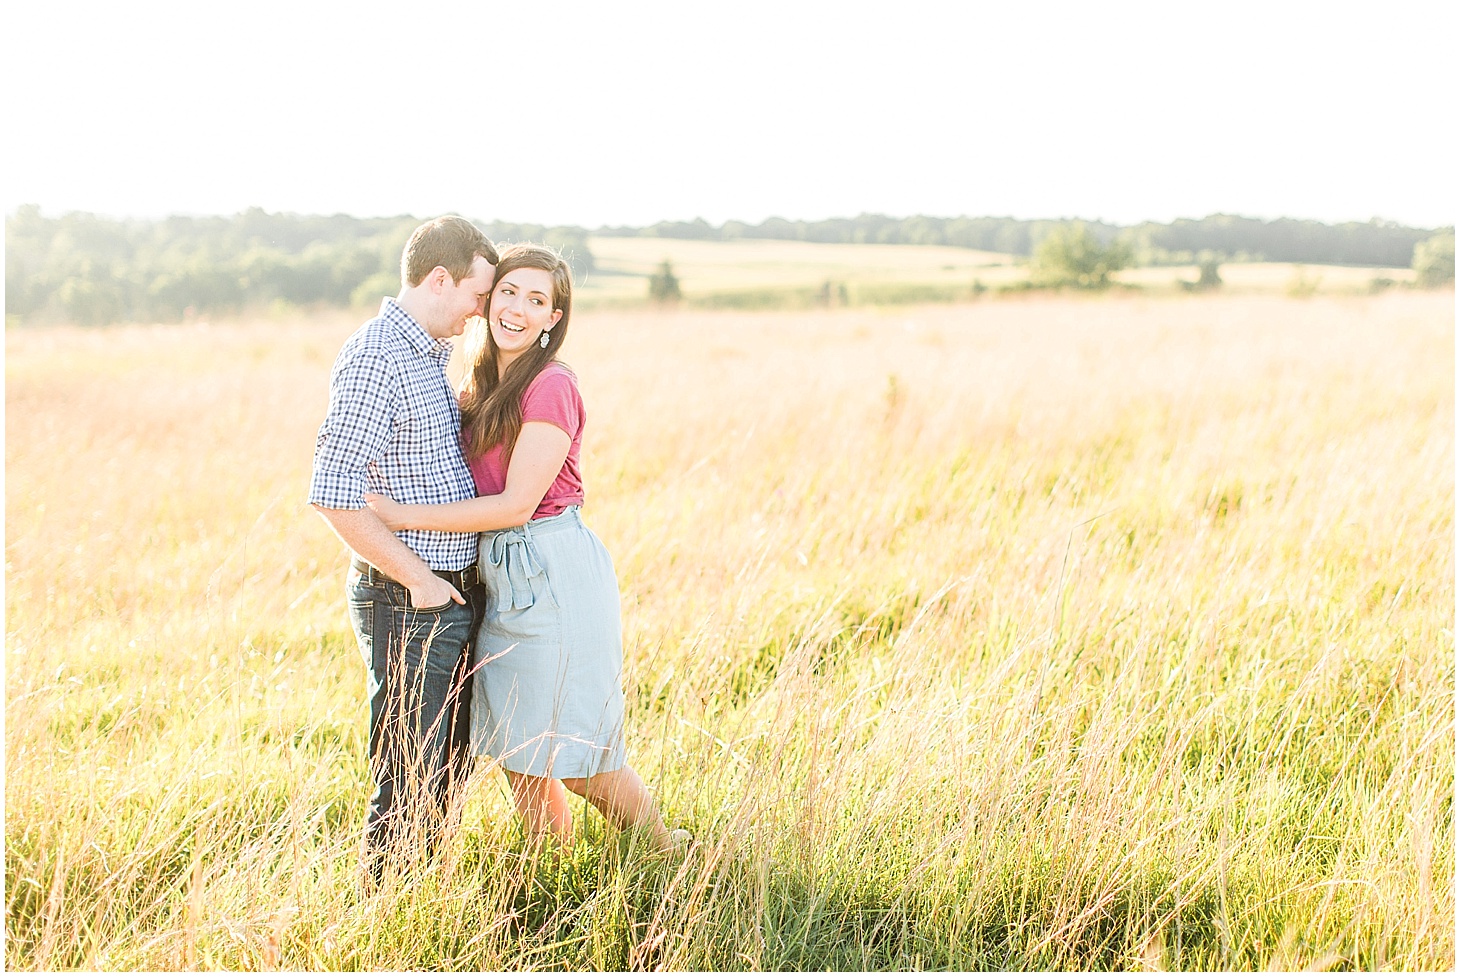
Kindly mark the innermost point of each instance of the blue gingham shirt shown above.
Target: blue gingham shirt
(393, 427)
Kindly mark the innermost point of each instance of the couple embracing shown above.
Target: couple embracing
(486, 611)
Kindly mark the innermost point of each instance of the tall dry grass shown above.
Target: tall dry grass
(1055, 633)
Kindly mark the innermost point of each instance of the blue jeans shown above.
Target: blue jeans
(419, 662)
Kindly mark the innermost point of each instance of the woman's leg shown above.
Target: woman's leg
(543, 804)
(625, 801)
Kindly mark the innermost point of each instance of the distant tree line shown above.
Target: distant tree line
(1374, 243)
(1002, 234)
(90, 270)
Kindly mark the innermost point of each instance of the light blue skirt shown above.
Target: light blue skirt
(548, 698)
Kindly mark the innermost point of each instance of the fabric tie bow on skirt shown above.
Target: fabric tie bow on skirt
(513, 554)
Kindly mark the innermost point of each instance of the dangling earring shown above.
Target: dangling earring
(543, 340)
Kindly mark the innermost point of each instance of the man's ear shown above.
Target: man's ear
(438, 278)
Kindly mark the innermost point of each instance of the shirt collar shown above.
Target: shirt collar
(413, 332)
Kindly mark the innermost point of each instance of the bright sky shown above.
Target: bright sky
(630, 113)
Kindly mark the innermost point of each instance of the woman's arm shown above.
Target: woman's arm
(537, 458)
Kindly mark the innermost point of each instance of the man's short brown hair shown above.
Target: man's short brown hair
(450, 242)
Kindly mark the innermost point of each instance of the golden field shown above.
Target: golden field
(1049, 633)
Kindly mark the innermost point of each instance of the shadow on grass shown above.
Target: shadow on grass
(603, 908)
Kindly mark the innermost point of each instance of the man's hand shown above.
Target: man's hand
(433, 593)
(364, 533)
(388, 510)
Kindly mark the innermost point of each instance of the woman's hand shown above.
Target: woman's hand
(390, 512)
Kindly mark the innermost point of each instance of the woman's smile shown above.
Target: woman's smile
(521, 311)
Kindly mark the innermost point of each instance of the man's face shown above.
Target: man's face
(462, 300)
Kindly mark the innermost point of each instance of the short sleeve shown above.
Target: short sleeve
(553, 397)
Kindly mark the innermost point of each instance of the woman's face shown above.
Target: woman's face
(520, 310)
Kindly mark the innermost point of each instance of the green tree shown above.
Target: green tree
(1207, 265)
(367, 294)
(1071, 255)
(1434, 261)
(663, 286)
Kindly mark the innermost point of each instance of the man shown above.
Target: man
(414, 599)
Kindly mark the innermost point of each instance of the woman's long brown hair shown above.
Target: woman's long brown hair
(491, 407)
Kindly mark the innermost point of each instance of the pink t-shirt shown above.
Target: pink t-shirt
(552, 396)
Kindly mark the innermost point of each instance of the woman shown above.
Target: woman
(547, 704)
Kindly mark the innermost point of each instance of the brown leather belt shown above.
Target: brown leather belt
(462, 580)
